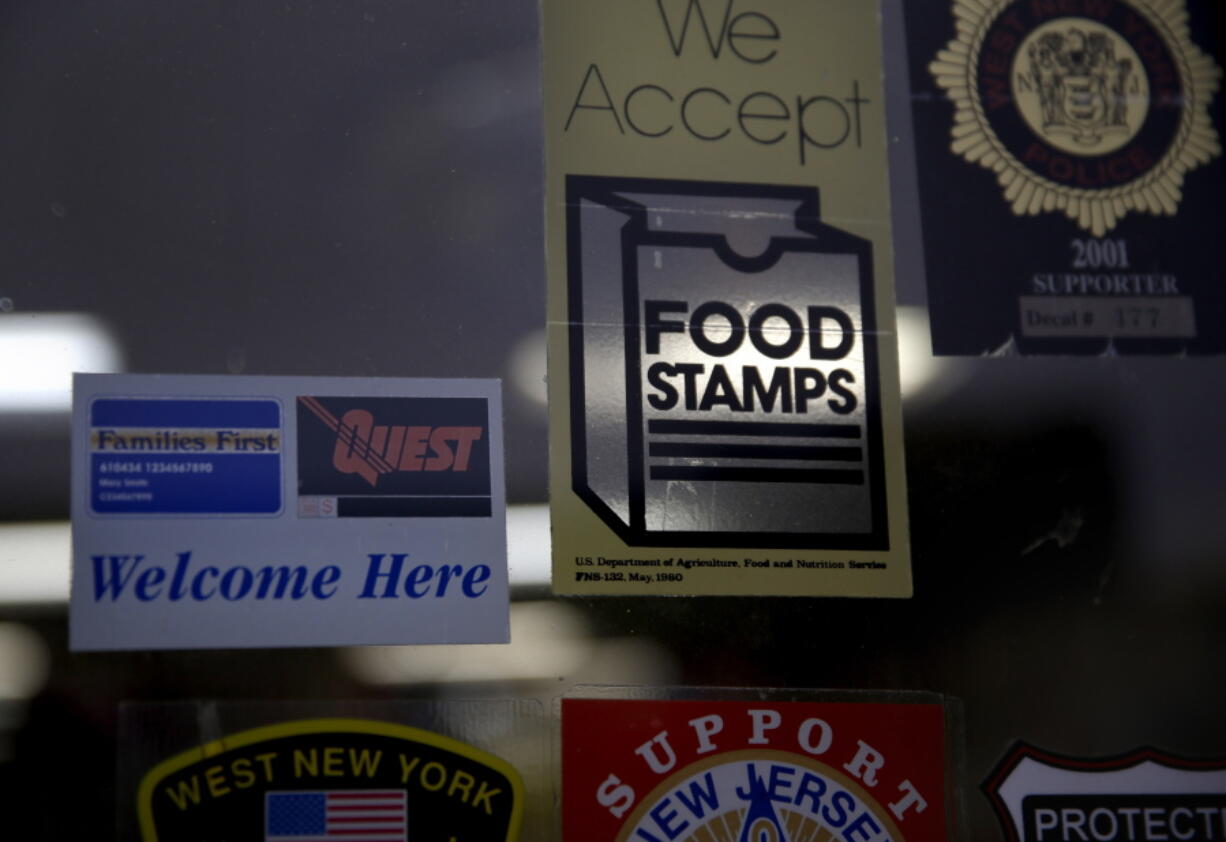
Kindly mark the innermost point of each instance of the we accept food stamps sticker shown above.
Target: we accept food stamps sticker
(724, 406)
(286, 511)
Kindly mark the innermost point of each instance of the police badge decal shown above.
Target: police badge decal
(1093, 108)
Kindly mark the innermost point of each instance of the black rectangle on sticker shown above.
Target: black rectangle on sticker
(413, 507)
(695, 450)
(818, 476)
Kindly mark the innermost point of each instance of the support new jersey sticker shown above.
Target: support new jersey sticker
(332, 779)
(734, 771)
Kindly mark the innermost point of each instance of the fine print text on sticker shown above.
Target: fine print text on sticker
(332, 779)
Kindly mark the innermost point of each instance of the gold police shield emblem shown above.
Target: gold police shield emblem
(1093, 108)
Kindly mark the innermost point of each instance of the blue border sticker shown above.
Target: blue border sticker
(185, 457)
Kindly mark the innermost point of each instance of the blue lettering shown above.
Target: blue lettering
(747, 793)
(375, 572)
(419, 575)
(228, 590)
(323, 586)
(422, 580)
(281, 579)
(857, 828)
(478, 574)
(198, 593)
(700, 795)
(176, 582)
(778, 782)
(843, 804)
(118, 579)
(813, 788)
(444, 576)
(665, 821)
(148, 580)
(112, 575)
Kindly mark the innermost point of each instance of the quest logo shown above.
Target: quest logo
(393, 457)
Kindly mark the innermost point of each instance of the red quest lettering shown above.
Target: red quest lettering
(371, 450)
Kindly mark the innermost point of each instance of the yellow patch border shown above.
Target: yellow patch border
(155, 776)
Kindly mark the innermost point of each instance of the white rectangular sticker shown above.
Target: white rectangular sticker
(217, 511)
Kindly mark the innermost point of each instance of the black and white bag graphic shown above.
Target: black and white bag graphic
(723, 367)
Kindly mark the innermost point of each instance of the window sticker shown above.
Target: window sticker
(263, 511)
(724, 405)
(639, 770)
(332, 779)
(1143, 796)
(1069, 158)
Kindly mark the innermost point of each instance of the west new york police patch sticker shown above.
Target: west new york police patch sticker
(1094, 109)
(332, 779)
(1068, 158)
(649, 771)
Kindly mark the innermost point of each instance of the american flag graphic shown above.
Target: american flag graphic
(352, 815)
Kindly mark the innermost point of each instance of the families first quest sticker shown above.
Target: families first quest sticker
(724, 405)
(332, 779)
(723, 771)
(266, 511)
